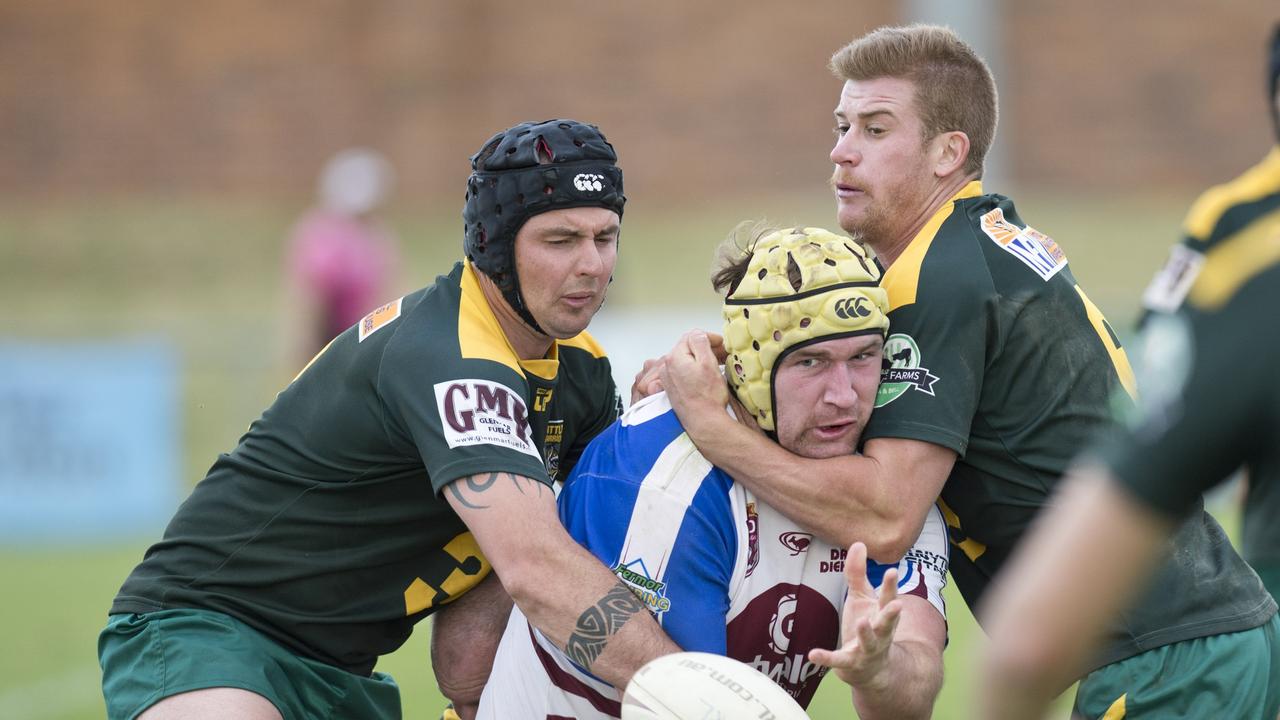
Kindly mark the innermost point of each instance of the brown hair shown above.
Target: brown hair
(733, 255)
(954, 87)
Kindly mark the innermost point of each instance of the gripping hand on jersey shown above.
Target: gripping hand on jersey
(651, 378)
(867, 624)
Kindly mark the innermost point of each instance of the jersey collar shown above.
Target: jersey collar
(480, 335)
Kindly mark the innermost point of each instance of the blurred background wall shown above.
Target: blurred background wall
(701, 98)
(155, 157)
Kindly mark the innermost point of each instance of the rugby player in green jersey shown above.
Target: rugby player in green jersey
(1210, 402)
(998, 366)
(1248, 205)
(412, 455)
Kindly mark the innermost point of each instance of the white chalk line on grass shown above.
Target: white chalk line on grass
(53, 696)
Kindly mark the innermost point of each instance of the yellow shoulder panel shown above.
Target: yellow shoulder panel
(1235, 261)
(479, 335)
(903, 276)
(1260, 180)
(584, 341)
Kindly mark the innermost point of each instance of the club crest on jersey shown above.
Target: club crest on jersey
(1035, 249)
(551, 446)
(901, 370)
(753, 538)
(481, 412)
(653, 593)
(379, 318)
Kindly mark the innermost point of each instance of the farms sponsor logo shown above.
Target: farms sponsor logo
(901, 370)
(480, 412)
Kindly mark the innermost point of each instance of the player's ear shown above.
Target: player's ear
(951, 149)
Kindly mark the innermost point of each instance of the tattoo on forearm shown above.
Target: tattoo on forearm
(521, 482)
(600, 623)
(475, 486)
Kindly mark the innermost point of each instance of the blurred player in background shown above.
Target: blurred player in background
(723, 571)
(998, 370)
(1210, 402)
(407, 460)
(342, 260)
(1228, 216)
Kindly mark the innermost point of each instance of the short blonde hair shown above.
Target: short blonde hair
(954, 87)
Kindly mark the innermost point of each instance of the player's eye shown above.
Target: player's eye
(840, 129)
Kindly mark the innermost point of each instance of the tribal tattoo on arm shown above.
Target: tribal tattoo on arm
(600, 623)
(468, 489)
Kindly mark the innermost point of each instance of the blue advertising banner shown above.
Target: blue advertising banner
(89, 440)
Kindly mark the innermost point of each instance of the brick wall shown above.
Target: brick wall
(699, 98)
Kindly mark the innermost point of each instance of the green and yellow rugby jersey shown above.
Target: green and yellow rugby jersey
(325, 527)
(1211, 392)
(1234, 213)
(995, 352)
(1246, 205)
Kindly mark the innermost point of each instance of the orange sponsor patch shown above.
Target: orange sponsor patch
(372, 322)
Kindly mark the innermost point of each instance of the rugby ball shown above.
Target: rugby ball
(702, 686)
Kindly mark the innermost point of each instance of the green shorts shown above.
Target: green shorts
(1220, 676)
(148, 657)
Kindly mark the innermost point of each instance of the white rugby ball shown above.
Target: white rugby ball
(702, 686)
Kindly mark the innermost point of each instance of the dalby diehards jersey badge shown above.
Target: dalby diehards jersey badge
(902, 370)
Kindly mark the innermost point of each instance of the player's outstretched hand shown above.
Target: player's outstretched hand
(867, 624)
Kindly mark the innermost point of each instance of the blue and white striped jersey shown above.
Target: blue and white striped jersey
(720, 570)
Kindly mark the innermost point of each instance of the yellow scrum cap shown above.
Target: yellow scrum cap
(768, 315)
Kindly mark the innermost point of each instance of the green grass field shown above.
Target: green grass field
(206, 275)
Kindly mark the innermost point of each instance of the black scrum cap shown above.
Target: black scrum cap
(526, 170)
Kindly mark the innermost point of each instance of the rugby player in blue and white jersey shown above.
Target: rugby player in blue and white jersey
(723, 572)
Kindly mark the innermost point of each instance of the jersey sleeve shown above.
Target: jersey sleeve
(673, 547)
(463, 416)
(923, 570)
(1207, 398)
(935, 355)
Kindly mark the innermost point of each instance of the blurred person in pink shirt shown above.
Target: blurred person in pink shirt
(341, 259)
